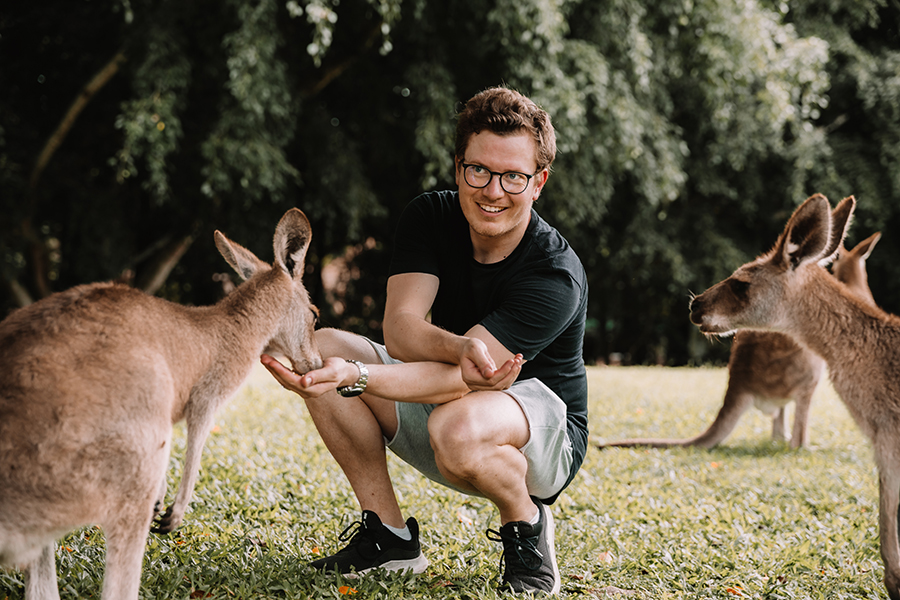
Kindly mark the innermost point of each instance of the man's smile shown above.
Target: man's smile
(491, 209)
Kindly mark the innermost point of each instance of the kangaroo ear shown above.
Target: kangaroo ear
(864, 249)
(241, 260)
(807, 234)
(841, 217)
(292, 237)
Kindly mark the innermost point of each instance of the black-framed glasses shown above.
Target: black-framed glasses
(512, 182)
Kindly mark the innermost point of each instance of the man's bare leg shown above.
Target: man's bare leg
(353, 430)
(482, 454)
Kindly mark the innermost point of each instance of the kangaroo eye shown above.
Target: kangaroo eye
(739, 288)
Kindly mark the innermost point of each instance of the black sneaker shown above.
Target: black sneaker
(529, 554)
(373, 546)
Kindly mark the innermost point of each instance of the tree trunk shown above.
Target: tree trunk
(153, 275)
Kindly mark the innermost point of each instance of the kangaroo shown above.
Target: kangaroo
(93, 380)
(787, 290)
(767, 369)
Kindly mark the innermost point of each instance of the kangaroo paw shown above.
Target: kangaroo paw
(165, 523)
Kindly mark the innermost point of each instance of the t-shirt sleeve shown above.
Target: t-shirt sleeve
(535, 312)
(414, 248)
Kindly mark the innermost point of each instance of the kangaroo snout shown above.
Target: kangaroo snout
(696, 308)
(700, 316)
(305, 365)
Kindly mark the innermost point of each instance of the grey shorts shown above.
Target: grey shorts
(548, 451)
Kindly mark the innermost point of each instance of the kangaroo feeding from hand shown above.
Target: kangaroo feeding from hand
(768, 370)
(788, 290)
(93, 380)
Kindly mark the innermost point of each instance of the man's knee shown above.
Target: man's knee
(337, 342)
(455, 436)
(331, 341)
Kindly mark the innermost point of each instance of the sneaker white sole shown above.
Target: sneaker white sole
(551, 536)
(416, 565)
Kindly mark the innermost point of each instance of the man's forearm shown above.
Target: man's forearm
(423, 382)
(410, 339)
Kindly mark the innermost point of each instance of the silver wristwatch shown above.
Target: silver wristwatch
(359, 387)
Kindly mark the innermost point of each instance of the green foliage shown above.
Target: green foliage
(688, 130)
(861, 125)
(246, 149)
(750, 519)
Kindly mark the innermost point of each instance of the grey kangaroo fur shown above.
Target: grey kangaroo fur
(93, 380)
(768, 370)
(787, 290)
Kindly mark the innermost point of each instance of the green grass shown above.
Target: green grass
(750, 519)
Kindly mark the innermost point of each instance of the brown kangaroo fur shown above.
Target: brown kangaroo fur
(787, 290)
(768, 370)
(93, 380)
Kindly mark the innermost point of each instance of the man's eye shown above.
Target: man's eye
(514, 176)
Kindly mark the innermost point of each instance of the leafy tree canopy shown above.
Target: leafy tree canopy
(688, 130)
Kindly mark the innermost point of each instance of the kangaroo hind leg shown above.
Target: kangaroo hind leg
(40, 576)
(126, 538)
(889, 511)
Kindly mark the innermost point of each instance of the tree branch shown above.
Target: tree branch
(37, 251)
(151, 277)
(62, 130)
(334, 69)
(20, 295)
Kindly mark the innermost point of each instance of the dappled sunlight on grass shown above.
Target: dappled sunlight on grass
(751, 518)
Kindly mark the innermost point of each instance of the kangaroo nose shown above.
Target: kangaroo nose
(307, 364)
(696, 308)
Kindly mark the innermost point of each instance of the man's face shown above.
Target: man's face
(494, 215)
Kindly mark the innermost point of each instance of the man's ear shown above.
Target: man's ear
(539, 180)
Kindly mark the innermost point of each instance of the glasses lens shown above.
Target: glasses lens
(514, 183)
(476, 176)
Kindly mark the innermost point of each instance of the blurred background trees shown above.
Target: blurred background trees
(688, 131)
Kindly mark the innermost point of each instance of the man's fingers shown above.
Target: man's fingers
(286, 377)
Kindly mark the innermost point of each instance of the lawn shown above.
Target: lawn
(750, 519)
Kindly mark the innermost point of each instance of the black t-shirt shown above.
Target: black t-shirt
(534, 301)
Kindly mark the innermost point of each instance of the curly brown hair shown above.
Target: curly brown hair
(504, 111)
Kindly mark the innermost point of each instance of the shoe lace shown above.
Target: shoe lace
(525, 549)
(356, 533)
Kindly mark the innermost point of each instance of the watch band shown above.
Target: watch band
(359, 387)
